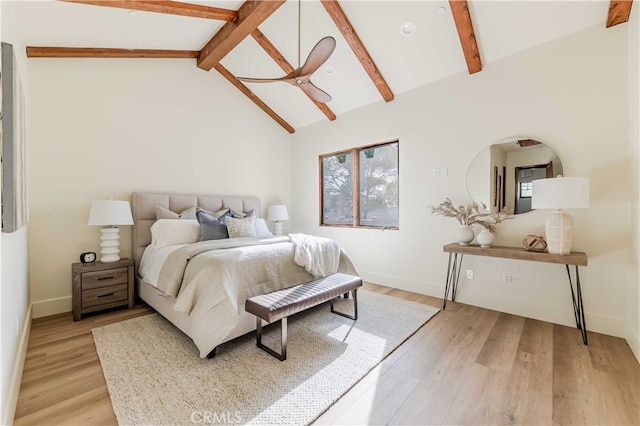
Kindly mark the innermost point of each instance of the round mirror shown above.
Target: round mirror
(501, 175)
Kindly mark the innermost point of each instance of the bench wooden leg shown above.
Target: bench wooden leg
(355, 306)
(283, 339)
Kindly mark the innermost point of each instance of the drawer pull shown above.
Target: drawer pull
(105, 278)
(106, 295)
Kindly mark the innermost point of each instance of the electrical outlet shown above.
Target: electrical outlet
(469, 274)
(506, 278)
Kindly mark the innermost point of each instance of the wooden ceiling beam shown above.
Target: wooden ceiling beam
(96, 52)
(619, 11)
(349, 33)
(250, 15)
(462, 19)
(268, 47)
(255, 99)
(167, 7)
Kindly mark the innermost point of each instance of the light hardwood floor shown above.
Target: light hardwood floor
(467, 365)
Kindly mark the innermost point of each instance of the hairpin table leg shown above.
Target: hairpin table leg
(453, 275)
(578, 307)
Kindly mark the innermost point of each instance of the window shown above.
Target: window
(526, 189)
(359, 187)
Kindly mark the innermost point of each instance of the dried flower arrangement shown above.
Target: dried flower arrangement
(470, 214)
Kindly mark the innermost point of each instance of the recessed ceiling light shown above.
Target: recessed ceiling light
(408, 28)
(440, 11)
(329, 69)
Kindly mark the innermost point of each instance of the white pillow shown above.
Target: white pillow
(169, 232)
(262, 230)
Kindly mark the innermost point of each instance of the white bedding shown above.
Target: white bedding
(152, 261)
(211, 279)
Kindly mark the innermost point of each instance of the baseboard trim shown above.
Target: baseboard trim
(554, 313)
(16, 377)
(430, 289)
(633, 340)
(45, 308)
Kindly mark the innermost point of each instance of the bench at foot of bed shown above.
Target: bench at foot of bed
(280, 304)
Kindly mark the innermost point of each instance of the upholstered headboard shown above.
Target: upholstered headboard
(144, 211)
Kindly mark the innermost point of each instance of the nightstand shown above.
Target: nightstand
(101, 286)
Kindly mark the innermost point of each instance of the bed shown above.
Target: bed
(201, 287)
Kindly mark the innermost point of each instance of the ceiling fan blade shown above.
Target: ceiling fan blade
(289, 78)
(259, 80)
(318, 56)
(315, 93)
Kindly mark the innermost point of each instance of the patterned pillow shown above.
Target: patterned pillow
(241, 228)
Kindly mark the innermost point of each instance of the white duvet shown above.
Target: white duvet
(212, 279)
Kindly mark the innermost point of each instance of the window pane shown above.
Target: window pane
(379, 185)
(337, 196)
(526, 189)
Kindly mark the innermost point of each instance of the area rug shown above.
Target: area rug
(155, 377)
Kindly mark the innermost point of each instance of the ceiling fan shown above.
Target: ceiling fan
(301, 76)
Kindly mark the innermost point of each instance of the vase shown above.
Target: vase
(485, 238)
(464, 235)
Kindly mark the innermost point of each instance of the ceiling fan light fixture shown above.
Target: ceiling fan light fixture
(408, 28)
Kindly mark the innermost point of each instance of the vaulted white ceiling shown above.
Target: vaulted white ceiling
(502, 28)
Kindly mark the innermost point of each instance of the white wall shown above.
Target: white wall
(14, 296)
(633, 289)
(569, 93)
(102, 128)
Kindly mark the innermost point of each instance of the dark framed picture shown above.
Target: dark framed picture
(495, 186)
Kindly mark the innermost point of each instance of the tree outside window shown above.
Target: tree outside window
(360, 187)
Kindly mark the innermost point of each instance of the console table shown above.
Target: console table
(457, 251)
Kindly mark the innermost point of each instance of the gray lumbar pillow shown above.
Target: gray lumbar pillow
(210, 227)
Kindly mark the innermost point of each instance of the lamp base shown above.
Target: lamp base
(277, 228)
(558, 231)
(110, 244)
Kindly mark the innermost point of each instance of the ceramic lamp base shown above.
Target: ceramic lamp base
(558, 231)
(109, 244)
(277, 228)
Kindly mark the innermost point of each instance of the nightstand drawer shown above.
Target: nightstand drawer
(106, 278)
(104, 295)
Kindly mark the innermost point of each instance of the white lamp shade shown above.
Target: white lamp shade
(560, 193)
(110, 213)
(277, 213)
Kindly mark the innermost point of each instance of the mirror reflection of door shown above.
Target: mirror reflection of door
(525, 175)
(492, 178)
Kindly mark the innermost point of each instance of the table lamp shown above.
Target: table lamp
(277, 214)
(560, 193)
(109, 214)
